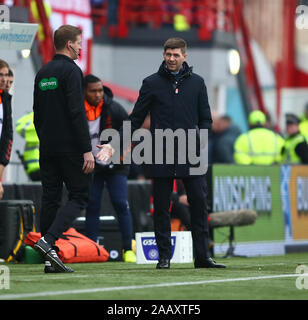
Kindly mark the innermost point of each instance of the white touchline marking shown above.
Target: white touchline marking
(158, 285)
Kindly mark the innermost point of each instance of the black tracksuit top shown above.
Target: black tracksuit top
(6, 139)
(58, 104)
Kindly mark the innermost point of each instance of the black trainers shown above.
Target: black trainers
(48, 253)
(49, 268)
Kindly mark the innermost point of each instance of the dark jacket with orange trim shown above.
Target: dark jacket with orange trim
(6, 139)
(112, 116)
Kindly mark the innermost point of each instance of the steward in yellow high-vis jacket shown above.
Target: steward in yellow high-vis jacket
(303, 125)
(258, 146)
(295, 149)
(31, 155)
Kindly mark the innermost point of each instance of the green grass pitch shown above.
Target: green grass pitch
(266, 278)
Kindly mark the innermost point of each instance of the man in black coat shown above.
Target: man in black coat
(176, 99)
(65, 146)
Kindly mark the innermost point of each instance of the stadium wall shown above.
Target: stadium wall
(279, 195)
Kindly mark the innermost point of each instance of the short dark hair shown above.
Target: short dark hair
(64, 34)
(90, 78)
(11, 74)
(4, 64)
(176, 43)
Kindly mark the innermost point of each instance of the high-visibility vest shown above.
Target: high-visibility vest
(35, 14)
(303, 128)
(259, 146)
(289, 155)
(25, 127)
(180, 23)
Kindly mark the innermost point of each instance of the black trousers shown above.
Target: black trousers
(196, 190)
(181, 211)
(56, 170)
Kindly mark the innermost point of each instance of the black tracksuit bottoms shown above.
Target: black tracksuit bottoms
(56, 170)
(196, 190)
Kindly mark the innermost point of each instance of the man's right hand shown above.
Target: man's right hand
(1, 190)
(105, 153)
(88, 163)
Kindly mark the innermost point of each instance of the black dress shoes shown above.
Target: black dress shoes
(163, 264)
(208, 263)
(49, 253)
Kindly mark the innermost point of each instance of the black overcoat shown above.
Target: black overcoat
(173, 102)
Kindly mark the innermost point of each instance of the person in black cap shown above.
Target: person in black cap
(295, 149)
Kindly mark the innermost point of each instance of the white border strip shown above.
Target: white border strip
(158, 285)
(253, 248)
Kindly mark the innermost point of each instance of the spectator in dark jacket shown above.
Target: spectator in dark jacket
(224, 136)
(176, 98)
(105, 113)
(6, 126)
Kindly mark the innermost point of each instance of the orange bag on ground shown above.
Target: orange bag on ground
(74, 247)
